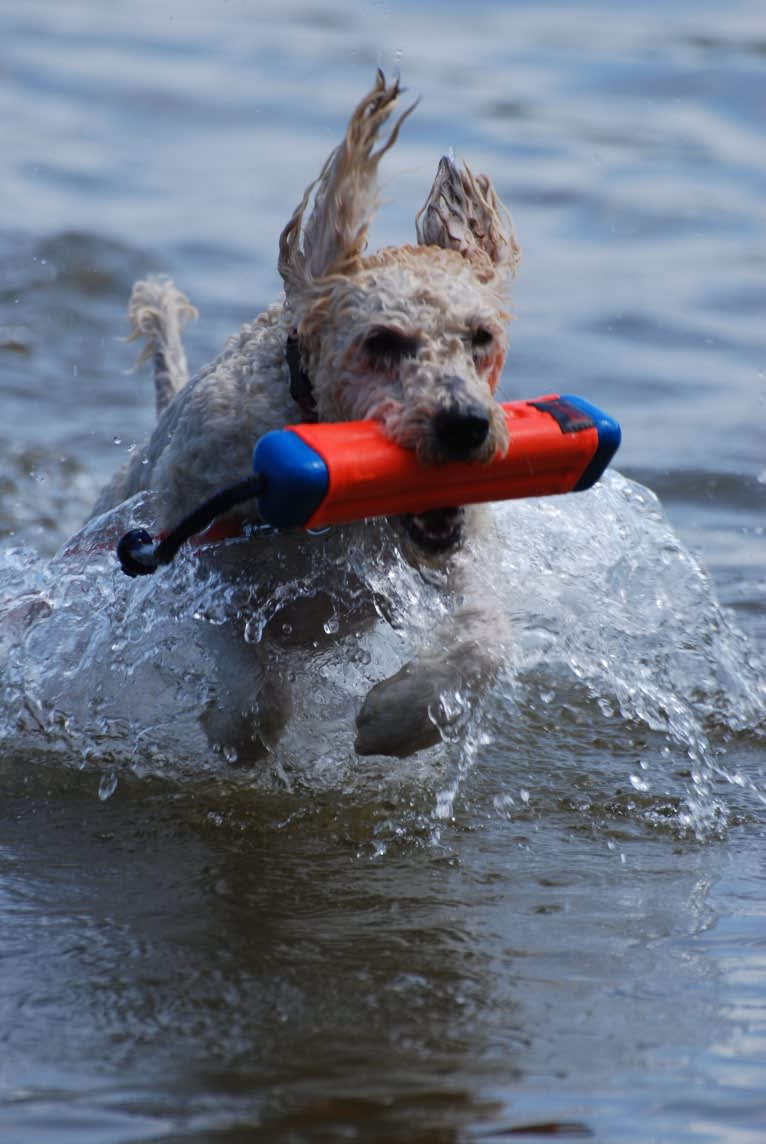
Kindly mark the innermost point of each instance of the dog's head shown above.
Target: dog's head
(412, 336)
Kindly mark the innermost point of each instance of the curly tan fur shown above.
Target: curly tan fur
(157, 312)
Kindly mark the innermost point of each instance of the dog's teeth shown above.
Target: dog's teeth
(437, 529)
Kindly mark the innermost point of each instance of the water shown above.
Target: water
(553, 919)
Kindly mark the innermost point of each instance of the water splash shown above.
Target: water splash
(625, 674)
(617, 627)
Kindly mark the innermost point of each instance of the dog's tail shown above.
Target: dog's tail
(158, 312)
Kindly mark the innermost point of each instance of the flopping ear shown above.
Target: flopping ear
(343, 199)
(463, 213)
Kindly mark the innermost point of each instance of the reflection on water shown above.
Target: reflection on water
(555, 917)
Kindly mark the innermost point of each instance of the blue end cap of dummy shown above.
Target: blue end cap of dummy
(295, 475)
(609, 437)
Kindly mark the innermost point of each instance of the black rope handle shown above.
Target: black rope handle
(137, 551)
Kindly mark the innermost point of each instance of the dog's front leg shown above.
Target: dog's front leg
(249, 702)
(401, 714)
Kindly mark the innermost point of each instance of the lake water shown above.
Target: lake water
(553, 924)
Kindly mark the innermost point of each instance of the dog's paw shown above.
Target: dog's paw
(397, 716)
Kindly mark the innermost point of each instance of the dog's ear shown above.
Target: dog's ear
(463, 213)
(344, 197)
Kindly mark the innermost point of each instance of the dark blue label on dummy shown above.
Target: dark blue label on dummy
(609, 437)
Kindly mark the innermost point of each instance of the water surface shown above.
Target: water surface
(554, 919)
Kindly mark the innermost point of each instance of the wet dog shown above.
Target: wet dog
(414, 337)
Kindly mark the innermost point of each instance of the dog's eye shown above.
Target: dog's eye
(481, 339)
(388, 347)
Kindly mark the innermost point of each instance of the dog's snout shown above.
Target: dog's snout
(461, 428)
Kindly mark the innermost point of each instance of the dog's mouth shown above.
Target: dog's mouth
(436, 531)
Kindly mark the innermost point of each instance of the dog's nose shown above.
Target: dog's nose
(460, 429)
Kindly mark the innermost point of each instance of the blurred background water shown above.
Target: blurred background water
(558, 920)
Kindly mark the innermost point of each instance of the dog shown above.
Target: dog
(414, 337)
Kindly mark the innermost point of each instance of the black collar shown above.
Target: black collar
(301, 389)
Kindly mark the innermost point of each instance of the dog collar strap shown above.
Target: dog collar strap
(301, 389)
